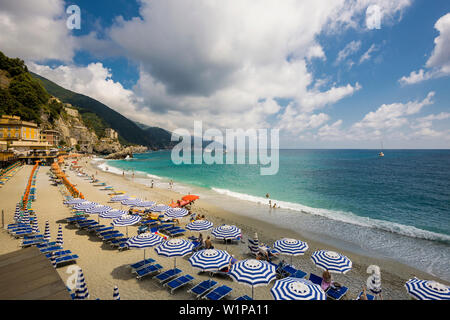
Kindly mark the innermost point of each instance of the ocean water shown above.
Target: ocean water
(397, 206)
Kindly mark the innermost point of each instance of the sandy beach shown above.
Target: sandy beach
(105, 267)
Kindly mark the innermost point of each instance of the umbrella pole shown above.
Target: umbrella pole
(127, 231)
(252, 292)
(175, 263)
(144, 254)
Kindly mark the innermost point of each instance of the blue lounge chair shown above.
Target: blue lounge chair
(218, 293)
(104, 229)
(20, 234)
(336, 294)
(369, 296)
(50, 249)
(179, 282)
(107, 233)
(113, 236)
(202, 288)
(142, 263)
(95, 227)
(244, 297)
(33, 237)
(58, 253)
(315, 279)
(176, 232)
(290, 271)
(148, 270)
(66, 259)
(32, 242)
(168, 275)
(75, 219)
(116, 243)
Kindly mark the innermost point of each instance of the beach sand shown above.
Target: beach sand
(104, 267)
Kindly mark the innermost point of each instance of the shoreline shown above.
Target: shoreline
(393, 272)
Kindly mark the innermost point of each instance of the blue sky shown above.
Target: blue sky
(255, 65)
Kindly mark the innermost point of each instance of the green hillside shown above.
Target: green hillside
(99, 116)
(22, 95)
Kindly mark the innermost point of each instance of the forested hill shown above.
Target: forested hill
(100, 116)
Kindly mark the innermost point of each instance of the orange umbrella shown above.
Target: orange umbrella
(190, 197)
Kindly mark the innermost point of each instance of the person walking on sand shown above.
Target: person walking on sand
(123, 173)
(152, 184)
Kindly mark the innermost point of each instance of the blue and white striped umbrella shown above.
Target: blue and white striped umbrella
(291, 247)
(53, 260)
(47, 231)
(176, 213)
(226, 232)
(144, 240)
(126, 220)
(83, 206)
(130, 201)
(297, 289)
(145, 204)
(331, 261)
(116, 295)
(59, 237)
(119, 198)
(427, 290)
(159, 208)
(81, 291)
(35, 227)
(199, 225)
(112, 214)
(210, 259)
(175, 248)
(98, 209)
(253, 272)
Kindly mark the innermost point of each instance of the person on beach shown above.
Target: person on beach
(326, 280)
(208, 244)
(274, 205)
(363, 295)
(233, 260)
(270, 203)
(152, 184)
(123, 173)
(171, 184)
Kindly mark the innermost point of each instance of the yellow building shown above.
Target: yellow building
(14, 129)
(50, 136)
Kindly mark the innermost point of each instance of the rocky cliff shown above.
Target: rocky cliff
(128, 151)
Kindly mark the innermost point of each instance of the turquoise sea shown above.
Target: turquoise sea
(396, 206)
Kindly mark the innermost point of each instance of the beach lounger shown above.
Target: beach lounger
(336, 294)
(71, 220)
(315, 279)
(218, 293)
(104, 229)
(290, 271)
(148, 270)
(244, 297)
(176, 232)
(113, 236)
(66, 259)
(168, 275)
(369, 296)
(202, 288)
(117, 242)
(32, 242)
(58, 254)
(22, 233)
(46, 245)
(141, 264)
(179, 282)
(33, 237)
(50, 249)
(107, 233)
(95, 227)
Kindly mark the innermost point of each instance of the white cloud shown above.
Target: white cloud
(438, 65)
(351, 48)
(35, 31)
(367, 55)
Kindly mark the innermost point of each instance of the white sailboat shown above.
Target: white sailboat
(381, 154)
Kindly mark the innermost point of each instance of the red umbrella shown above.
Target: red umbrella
(190, 197)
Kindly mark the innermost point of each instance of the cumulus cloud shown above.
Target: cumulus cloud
(35, 31)
(438, 65)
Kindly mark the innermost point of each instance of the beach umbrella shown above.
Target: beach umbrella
(175, 248)
(130, 201)
(190, 197)
(98, 209)
(331, 261)
(427, 289)
(145, 204)
(35, 226)
(253, 272)
(47, 231)
(144, 240)
(254, 244)
(116, 295)
(159, 208)
(83, 206)
(226, 232)
(112, 214)
(81, 291)
(126, 220)
(199, 225)
(373, 282)
(53, 260)
(176, 213)
(59, 237)
(297, 289)
(291, 247)
(74, 201)
(210, 259)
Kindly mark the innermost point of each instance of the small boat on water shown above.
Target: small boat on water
(381, 154)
